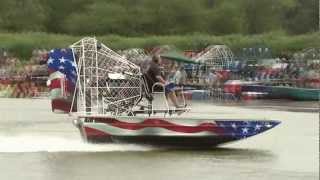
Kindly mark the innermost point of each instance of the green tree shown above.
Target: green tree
(226, 18)
(159, 17)
(17, 16)
(303, 17)
(99, 18)
(265, 15)
(58, 10)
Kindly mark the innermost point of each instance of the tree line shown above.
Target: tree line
(159, 17)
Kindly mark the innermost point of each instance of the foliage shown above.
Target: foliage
(159, 17)
(22, 44)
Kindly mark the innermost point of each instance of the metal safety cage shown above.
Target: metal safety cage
(134, 55)
(107, 83)
(310, 54)
(217, 57)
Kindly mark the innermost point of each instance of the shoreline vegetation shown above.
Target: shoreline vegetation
(21, 45)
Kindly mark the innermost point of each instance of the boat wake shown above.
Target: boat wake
(21, 144)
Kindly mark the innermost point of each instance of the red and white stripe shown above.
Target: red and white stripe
(151, 126)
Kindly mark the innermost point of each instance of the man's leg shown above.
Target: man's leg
(170, 93)
(172, 96)
(179, 94)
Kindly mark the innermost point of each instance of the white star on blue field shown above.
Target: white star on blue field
(63, 60)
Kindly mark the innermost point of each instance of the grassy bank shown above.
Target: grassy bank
(22, 44)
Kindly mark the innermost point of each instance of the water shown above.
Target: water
(37, 144)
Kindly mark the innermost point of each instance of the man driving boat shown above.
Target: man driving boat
(154, 75)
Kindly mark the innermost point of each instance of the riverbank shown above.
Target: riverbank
(22, 44)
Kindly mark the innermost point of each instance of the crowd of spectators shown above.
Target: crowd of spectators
(288, 72)
(22, 78)
(21, 89)
(27, 78)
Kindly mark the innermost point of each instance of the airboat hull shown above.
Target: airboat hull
(189, 133)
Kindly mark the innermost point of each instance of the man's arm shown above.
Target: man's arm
(161, 79)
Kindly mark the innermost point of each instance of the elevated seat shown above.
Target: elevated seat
(157, 100)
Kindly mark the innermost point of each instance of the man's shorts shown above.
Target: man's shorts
(170, 88)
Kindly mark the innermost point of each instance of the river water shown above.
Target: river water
(37, 144)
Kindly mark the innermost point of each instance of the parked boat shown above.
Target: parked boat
(295, 93)
(283, 92)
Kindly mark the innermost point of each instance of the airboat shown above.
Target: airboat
(115, 105)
